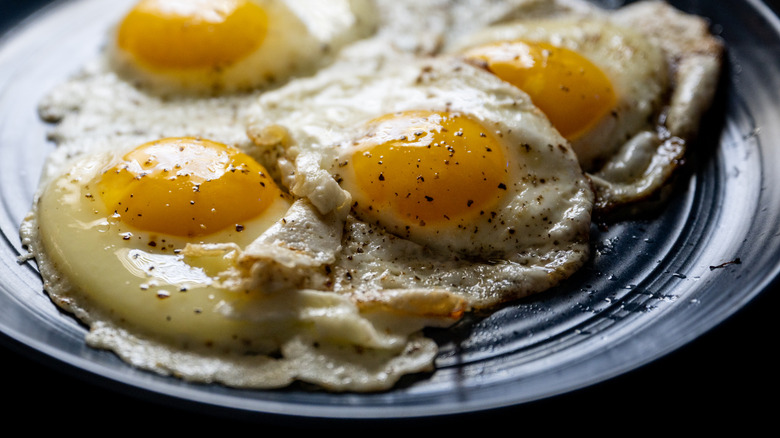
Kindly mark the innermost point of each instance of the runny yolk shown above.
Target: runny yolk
(573, 92)
(191, 34)
(427, 168)
(187, 187)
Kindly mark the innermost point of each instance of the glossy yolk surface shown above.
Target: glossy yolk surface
(429, 167)
(187, 187)
(573, 92)
(190, 34)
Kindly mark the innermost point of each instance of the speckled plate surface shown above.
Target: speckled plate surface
(653, 285)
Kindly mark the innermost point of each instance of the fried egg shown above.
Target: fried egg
(612, 83)
(217, 46)
(167, 228)
(452, 178)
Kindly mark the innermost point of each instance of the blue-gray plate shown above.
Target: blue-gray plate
(642, 312)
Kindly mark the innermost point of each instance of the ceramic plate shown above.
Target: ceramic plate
(652, 286)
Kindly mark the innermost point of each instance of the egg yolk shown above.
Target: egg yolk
(573, 92)
(428, 167)
(187, 187)
(191, 34)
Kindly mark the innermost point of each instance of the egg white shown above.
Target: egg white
(427, 27)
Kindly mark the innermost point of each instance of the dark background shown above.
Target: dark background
(728, 376)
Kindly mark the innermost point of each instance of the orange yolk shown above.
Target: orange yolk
(191, 34)
(428, 167)
(187, 187)
(573, 92)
